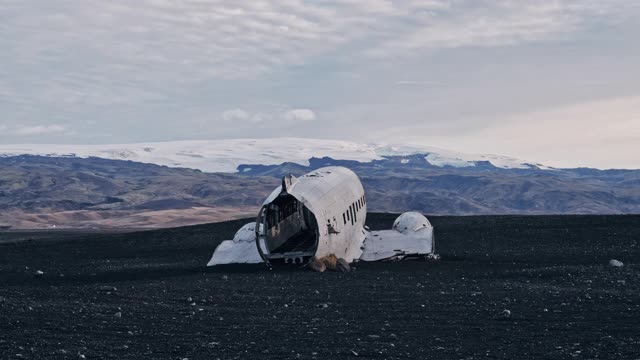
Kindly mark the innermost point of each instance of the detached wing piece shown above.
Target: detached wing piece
(241, 250)
(412, 234)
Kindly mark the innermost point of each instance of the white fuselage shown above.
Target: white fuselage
(321, 215)
(325, 210)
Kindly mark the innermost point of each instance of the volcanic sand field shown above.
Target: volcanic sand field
(148, 295)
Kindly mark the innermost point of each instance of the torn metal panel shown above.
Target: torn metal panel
(240, 250)
(386, 244)
(229, 252)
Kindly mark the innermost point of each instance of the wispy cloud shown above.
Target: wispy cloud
(31, 130)
(602, 134)
(270, 118)
(229, 39)
(419, 83)
(161, 70)
(486, 24)
(235, 115)
(300, 115)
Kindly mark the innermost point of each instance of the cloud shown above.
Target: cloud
(602, 133)
(268, 117)
(188, 41)
(32, 130)
(419, 83)
(235, 115)
(22, 130)
(300, 115)
(167, 70)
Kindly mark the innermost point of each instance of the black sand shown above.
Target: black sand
(550, 272)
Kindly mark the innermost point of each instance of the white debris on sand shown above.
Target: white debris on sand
(39, 273)
(615, 263)
(242, 249)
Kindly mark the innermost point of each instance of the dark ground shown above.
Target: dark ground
(550, 271)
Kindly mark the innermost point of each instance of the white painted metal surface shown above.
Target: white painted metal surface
(329, 193)
(411, 234)
(388, 244)
(240, 250)
(335, 197)
(410, 221)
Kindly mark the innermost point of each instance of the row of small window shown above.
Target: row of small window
(352, 212)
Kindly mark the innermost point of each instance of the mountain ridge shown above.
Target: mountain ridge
(228, 155)
(72, 192)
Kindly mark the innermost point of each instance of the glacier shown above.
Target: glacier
(226, 155)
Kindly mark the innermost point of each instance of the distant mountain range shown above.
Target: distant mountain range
(165, 184)
(228, 155)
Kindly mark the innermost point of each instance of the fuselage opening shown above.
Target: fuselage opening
(290, 231)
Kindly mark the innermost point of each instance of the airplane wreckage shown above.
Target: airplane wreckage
(318, 220)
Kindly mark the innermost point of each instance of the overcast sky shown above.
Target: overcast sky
(556, 82)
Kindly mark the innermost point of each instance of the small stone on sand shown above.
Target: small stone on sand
(615, 263)
(317, 265)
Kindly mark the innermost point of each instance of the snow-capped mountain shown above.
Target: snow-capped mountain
(85, 190)
(227, 155)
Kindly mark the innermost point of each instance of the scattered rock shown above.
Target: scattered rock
(118, 314)
(330, 261)
(323, 306)
(506, 313)
(107, 288)
(189, 299)
(317, 265)
(435, 257)
(342, 265)
(615, 263)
